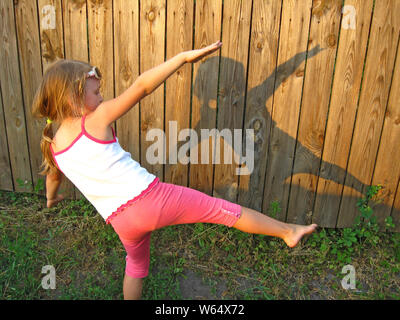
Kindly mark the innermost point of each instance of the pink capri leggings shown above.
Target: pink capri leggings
(164, 205)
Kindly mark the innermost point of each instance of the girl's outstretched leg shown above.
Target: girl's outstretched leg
(132, 288)
(252, 221)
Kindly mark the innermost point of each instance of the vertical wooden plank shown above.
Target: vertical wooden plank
(204, 100)
(75, 30)
(387, 171)
(126, 26)
(75, 38)
(10, 82)
(232, 84)
(51, 37)
(52, 44)
(100, 31)
(325, 23)
(177, 100)
(29, 57)
(5, 169)
(152, 48)
(31, 71)
(373, 100)
(261, 78)
(285, 116)
(343, 107)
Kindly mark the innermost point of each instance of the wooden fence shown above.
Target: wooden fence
(318, 82)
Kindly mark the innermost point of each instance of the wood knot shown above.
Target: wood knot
(300, 73)
(126, 72)
(257, 125)
(97, 3)
(18, 122)
(319, 8)
(144, 126)
(331, 40)
(151, 15)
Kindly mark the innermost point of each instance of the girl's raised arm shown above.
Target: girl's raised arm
(111, 110)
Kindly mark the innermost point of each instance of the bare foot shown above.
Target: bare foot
(297, 232)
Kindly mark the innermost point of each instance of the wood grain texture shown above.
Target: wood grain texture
(75, 30)
(260, 89)
(13, 101)
(372, 106)
(31, 69)
(343, 106)
(204, 97)
(232, 87)
(178, 85)
(325, 23)
(387, 168)
(51, 40)
(5, 169)
(100, 31)
(152, 51)
(286, 106)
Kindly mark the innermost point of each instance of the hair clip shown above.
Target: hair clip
(95, 72)
(49, 121)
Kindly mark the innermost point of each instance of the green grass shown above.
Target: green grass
(90, 260)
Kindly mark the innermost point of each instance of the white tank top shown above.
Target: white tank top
(104, 172)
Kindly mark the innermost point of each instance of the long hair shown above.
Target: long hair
(60, 95)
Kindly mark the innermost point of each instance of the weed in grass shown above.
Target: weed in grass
(274, 209)
(342, 244)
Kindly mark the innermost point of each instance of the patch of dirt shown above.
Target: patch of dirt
(194, 287)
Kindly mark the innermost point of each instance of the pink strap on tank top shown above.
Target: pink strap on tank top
(93, 138)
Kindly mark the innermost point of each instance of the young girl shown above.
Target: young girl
(86, 150)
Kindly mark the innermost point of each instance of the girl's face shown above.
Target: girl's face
(92, 94)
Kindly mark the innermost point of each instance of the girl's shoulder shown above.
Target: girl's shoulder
(69, 131)
(66, 133)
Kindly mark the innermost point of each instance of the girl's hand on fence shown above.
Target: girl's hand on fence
(53, 202)
(196, 55)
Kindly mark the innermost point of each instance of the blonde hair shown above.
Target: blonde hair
(60, 95)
